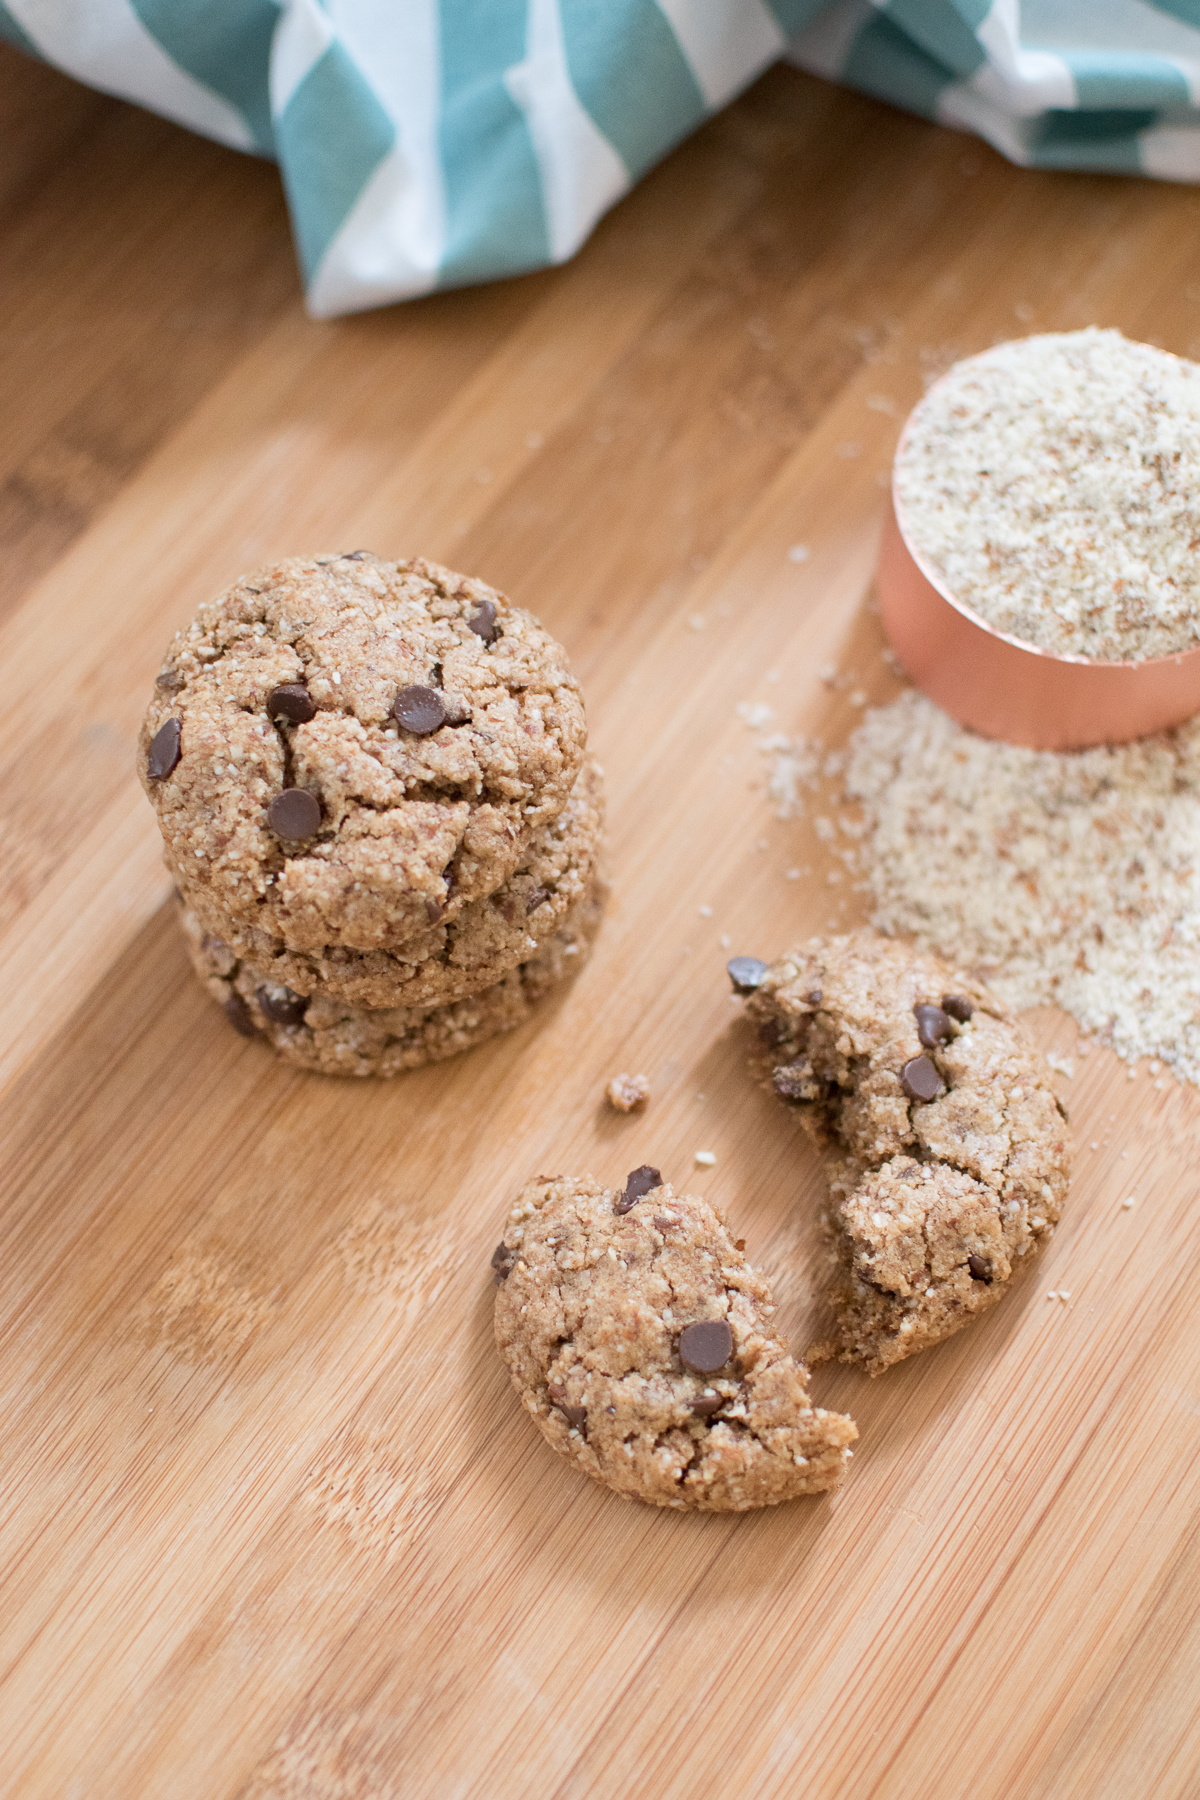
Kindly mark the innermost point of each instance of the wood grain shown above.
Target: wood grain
(272, 1526)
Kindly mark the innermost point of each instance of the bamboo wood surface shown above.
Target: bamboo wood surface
(272, 1524)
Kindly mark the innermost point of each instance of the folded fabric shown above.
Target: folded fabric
(431, 143)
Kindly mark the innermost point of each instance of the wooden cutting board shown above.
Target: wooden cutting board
(272, 1522)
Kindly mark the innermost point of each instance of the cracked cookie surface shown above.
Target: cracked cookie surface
(951, 1152)
(607, 1319)
(450, 960)
(416, 726)
(329, 1037)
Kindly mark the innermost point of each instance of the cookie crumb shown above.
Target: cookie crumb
(705, 1158)
(628, 1093)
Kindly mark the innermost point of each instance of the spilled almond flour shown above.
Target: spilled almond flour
(1070, 878)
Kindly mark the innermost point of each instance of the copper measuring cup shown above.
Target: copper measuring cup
(1004, 688)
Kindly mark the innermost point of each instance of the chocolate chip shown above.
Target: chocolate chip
(957, 1007)
(705, 1405)
(920, 1080)
(980, 1269)
(293, 702)
(739, 1243)
(503, 1260)
(281, 1005)
(420, 710)
(746, 973)
(164, 750)
(353, 555)
(641, 1181)
(773, 1031)
(169, 681)
(575, 1415)
(538, 898)
(706, 1346)
(483, 622)
(433, 911)
(238, 1014)
(814, 996)
(294, 814)
(933, 1025)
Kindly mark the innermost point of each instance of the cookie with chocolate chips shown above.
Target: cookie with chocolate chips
(328, 1037)
(642, 1342)
(950, 1153)
(452, 959)
(341, 749)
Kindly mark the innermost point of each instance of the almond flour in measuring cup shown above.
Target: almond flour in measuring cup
(1054, 485)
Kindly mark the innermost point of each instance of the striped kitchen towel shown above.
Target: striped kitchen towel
(429, 143)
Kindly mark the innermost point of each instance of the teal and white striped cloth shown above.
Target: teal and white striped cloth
(429, 143)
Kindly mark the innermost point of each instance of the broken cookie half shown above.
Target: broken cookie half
(640, 1339)
(951, 1156)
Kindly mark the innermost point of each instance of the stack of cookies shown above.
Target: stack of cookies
(372, 783)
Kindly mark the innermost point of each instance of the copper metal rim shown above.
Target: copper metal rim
(1006, 689)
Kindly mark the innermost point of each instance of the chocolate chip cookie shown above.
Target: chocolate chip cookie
(348, 751)
(449, 960)
(640, 1339)
(951, 1152)
(328, 1037)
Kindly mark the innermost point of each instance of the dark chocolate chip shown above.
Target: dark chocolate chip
(293, 702)
(957, 1007)
(281, 1005)
(294, 814)
(433, 911)
(575, 1415)
(746, 973)
(238, 1014)
(164, 750)
(641, 1181)
(353, 555)
(483, 621)
(933, 1025)
(705, 1405)
(503, 1260)
(706, 1346)
(773, 1031)
(169, 681)
(981, 1270)
(920, 1080)
(420, 710)
(538, 898)
(814, 996)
